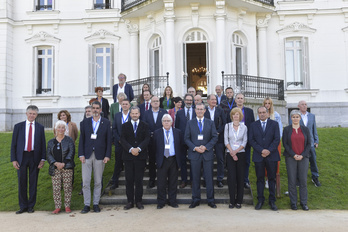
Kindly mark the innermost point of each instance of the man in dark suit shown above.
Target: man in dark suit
(182, 117)
(146, 105)
(201, 137)
(28, 152)
(220, 97)
(123, 87)
(119, 119)
(167, 147)
(153, 118)
(247, 120)
(135, 138)
(94, 153)
(217, 115)
(228, 104)
(264, 138)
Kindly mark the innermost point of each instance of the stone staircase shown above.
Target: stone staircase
(184, 196)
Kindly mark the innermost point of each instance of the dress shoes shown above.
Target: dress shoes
(247, 185)
(174, 205)
(20, 211)
(194, 204)
(81, 192)
(238, 206)
(114, 186)
(151, 184)
(183, 185)
(273, 206)
(140, 205)
(31, 210)
(204, 184)
(259, 205)
(160, 206)
(212, 205)
(293, 206)
(220, 184)
(128, 206)
(304, 207)
(85, 209)
(96, 208)
(231, 206)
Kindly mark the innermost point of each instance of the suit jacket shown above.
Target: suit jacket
(181, 121)
(223, 97)
(105, 107)
(312, 127)
(114, 109)
(224, 105)
(248, 116)
(128, 140)
(287, 132)
(102, 145)
(128, 91)
(260, 140)
(209, 139)
(148, 118)
(219, 121)
(18, 143)
(159, 146)
(117, 128)
(142, 110)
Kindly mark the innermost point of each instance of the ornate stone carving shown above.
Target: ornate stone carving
(102, 34)
(132, 28)
(295, 27)
(263, 22)
(42, 36)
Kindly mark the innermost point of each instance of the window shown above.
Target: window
(296, 63)
(42, 5)
(102, 4)
(155, 56)
(44, 65)
(101, 68)
(239, 61)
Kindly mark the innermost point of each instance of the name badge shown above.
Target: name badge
(167, 146)
(236, 145)
(93, 136)
(200, 137)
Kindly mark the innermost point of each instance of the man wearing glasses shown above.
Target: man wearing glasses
(122, 87)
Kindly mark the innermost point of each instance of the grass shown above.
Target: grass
(332, 159)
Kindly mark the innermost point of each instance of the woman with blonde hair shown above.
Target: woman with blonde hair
(167, 101)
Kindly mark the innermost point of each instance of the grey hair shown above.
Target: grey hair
(33, 107)
(240, 94)
(88, 107)
(200, 104)
(167, 116)
(188, 95)
(209, 96)
(122, 95)
(293, 112)
(134, 108)
(122, 74)
(261, 107)
(60, 122)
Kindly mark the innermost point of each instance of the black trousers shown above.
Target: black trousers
(167, 175)
(118, 164)
(271, 167)
(152, 160)
(134, 171)
(27, 163)
(235, 177)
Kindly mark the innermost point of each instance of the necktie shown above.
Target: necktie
(135, 129)
(263, 126)
(166, 151)
(188, 115)
(30, 137)
(200, 126)
(147, 106)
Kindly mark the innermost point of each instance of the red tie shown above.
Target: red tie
(147, 106)
(30, 137)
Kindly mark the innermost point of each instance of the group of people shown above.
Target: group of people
(166, 131)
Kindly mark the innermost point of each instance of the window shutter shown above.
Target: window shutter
(53, 71)
(112, 67)
(305, 62)
(35, 73)
(91, 69)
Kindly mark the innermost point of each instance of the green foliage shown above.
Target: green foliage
(332, 161)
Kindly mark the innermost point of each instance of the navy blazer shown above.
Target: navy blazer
(312, 127)
(102, 145)
(117, 127)
(142, 110)
(128, 140)
(223, 97)
(219, 121)
(18, 143)
(128, 91)
(181, 121)
(158, 137)
(260, 140)
(148, 118)
(209, 138)
(248, 116)
(287, 132)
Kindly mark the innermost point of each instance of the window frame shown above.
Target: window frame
(103, 6)
(44, 89)
(45, 6)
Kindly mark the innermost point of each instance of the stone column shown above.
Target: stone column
(220, 16)
(262, 25)
(169, 18)
(133, 51)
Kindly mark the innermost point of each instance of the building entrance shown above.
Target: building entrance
(196, 57)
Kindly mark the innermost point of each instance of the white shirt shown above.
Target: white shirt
(265, 123)
(120, 90)
(202, 120)
(305, 118)
(212, 113)
(27, 126)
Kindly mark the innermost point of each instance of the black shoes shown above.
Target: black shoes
(293, 206)
(247, 185)
(20, 211)
(96, 208)
(114, 186)
(220, 184)
(204, 184)
(31, 210)
(175, 205)
(259, 205)
(316, 182)
(231, 206)
(151, 184)
(128, 206)
(273, 206)
(140, 205)
(194, 204)
(238, 206)
(304, 207)
(212, 205)
(160, 206)
(183, 185)
(86, 209)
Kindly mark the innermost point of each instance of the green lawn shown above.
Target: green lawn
(332, 158)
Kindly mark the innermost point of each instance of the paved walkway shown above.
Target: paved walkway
(202, 218)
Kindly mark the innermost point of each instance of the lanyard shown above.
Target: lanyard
(96, 124)
(230, 105)
(243, 120)
(199, 126)
(125, 120)
(165, 134)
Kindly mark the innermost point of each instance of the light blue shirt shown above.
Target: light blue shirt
(155, 115)
(191, 112)
(171, 141)
(95, 125)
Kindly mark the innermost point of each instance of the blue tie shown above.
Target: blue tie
(135, 129)
(166, 151)
(263, 126)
